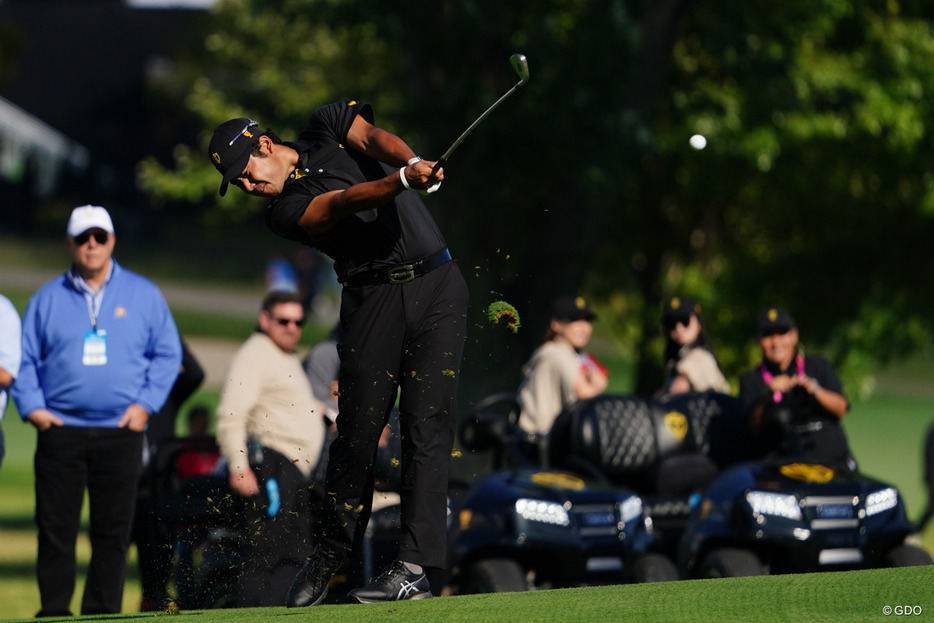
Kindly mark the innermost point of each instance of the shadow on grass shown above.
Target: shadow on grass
(26, 570)
(20, 570)
(17, 523)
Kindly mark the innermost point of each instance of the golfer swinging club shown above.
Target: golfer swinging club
(348, 189)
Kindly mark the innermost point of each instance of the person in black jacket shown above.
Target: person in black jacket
(349, 189)
(154, 553)
(794, 401)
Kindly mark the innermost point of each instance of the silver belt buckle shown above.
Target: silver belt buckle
(810, 427)
(401, 274)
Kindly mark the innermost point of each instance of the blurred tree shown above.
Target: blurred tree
(813, 192)
(10, 44)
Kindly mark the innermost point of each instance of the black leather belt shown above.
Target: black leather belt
(403, 273)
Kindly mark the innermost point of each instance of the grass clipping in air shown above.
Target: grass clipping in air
(501, 312)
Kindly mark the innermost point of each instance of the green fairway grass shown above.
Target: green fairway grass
(839, 597)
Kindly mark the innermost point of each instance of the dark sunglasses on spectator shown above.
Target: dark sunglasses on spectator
(286, 321)
(99, 236)
(673, 321)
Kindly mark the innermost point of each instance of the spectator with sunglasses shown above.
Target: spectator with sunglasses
(794, 402)
(270, 430)
(100, 355)
(690, 364)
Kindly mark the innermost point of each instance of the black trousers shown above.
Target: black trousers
(278, 529)
(406, 338)
(107, 463)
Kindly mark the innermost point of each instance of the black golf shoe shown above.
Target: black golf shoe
(394, 583)
(310, 586)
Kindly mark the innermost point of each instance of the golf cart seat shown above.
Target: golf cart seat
(185, 487)
(491, 420)
(493, 425)
(659, 447)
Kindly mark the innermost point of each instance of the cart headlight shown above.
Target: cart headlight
(776, 504)
(545, 512)
(631, 509)
(881, 501)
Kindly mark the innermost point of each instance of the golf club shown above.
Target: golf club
(521, 65)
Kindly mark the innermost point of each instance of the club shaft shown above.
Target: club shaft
(473, 125)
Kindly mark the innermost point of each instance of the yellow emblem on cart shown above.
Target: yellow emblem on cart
(807, 472)
(557, 480)
(677, 425)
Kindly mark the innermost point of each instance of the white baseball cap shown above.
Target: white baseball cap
(89, 217)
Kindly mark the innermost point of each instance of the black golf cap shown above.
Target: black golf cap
(680, 308)
(572, 308)
(231, 146)
(773, 320)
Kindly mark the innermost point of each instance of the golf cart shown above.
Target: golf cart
(785, 516)
(788, 514)
(718, 510)
(198, 522)
(527, 526)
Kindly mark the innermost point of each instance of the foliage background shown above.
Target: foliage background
(814, 191)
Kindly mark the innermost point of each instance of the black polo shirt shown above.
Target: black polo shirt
(753, 389)
(397, 232)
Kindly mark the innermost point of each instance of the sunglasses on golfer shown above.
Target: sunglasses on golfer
(250, 124)
(99, 236)
(287, 321)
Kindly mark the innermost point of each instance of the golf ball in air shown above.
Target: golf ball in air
(698, 141)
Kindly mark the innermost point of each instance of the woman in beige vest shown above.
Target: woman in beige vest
(690, 365)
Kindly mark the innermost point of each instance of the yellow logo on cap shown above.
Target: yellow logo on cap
(675, 303)
(580, 303)
(773, 315)
(217, 157)
(677, 425)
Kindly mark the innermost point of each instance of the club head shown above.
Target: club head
(521, 65)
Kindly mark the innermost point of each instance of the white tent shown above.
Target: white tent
(26, 141)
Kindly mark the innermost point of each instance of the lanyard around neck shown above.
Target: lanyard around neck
(768, 376)
(92, 296)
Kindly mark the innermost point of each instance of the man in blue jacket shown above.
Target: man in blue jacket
(100, 354)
